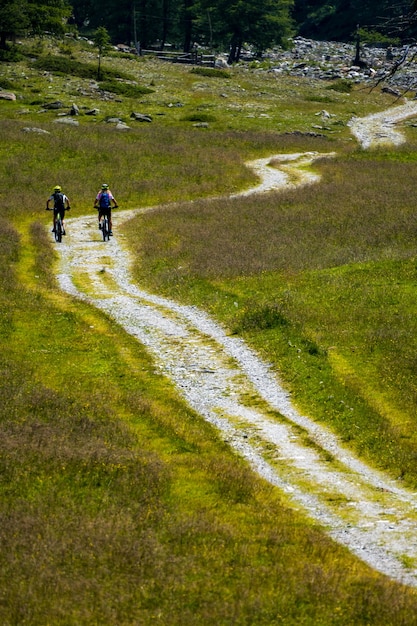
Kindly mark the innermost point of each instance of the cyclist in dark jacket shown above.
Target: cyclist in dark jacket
(61, 204)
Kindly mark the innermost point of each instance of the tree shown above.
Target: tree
(18, 17)
(338, 19)
(102, 43)
(14, 20)
(260, 23)
(48, 15)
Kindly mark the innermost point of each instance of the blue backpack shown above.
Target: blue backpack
(104, 200)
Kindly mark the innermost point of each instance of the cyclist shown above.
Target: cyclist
(103, 202)
(61, 204)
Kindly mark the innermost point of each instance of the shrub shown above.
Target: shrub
(210, 71)
(66, 66)
(5, 83)
(261, 317)
(198, 117)
(124, 89)
(344, 86)
(11, 55)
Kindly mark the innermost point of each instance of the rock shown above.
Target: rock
(122, 126)
(113, 120)
(92, 112)
(41, 131)
(7, 95)
(221, 63)
(201, 125)
(53, 105)
(140, 117)
(324, 114)
(74, 110)
(391, 91)
(67, 120)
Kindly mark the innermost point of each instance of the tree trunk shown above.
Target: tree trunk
(188, 25)
(235, 49)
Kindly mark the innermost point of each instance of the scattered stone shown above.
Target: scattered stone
(122, 126)
(221, 63)
(391, 91)
(201, 125)
(140, 117)
(92, 112)
(300, 133)
(329, 61)
(41, 131)
(53, 105)
(67, 120)
(74, 110)
(324, 114)
(7, 95)
(113, 120)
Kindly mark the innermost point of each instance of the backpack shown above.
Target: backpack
(104, 200)
(59, 201)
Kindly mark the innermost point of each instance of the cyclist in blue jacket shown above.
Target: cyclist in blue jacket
(103, 202)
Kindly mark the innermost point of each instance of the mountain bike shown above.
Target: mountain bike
(105, 224)
(58, 229)
(105, 227)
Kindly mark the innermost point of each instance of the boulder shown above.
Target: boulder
(67, 120)
(53, 105)
(41, 131)
(7, 95)
(141, 117)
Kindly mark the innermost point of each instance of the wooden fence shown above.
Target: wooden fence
(192, 58)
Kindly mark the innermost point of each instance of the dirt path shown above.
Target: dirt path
(216, 374)
(379, 129)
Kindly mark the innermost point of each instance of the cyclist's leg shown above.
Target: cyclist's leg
(100, 215)
(55, 214)
(110, 222)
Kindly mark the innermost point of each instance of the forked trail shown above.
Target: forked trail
(231, 387)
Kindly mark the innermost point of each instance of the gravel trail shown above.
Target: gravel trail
(379, 129)
(231, 387)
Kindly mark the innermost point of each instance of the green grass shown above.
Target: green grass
(119, 505)
(322, 281)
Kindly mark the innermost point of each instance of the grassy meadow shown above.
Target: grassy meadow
(118, 504)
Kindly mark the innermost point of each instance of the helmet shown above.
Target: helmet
(57, 188)
(104, 186)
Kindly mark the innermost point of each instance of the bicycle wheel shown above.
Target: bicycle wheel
(58, 229)
(105, 228)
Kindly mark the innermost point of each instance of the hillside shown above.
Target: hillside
(122, 499)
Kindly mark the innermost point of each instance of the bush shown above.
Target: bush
(198, 117)
(256, 317)
(5, 83)
(11, 55)
(124, 89)
(344, 86)
(209, 71)
(66, 66)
